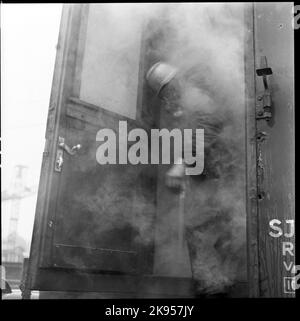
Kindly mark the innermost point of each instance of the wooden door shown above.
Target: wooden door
(92, 219)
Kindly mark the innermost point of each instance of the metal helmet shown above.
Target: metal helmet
(159, 75)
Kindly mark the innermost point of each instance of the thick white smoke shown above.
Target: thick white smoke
(205, 42)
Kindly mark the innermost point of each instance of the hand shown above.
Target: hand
(175, 176)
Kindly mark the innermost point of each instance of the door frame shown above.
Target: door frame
(66, 83)
(251, 155)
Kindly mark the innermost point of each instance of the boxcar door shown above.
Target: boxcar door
(92, 219)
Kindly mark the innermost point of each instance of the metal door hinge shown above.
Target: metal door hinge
(265, 98)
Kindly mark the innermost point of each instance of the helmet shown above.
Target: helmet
(159, 75)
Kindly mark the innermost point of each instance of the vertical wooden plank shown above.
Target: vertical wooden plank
(251, 186)
(275, 153)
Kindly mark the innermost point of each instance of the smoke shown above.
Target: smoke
(205, 42)
(118, 203)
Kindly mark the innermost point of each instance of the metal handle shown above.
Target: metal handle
(62, 146)
(70, 151)
(59, 161)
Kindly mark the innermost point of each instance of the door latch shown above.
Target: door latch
(265, 98)
(62, 146)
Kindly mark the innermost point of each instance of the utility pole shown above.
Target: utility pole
(18, 188)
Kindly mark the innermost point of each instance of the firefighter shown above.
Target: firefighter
(207, 220)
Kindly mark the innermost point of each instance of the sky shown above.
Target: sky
(29, 34)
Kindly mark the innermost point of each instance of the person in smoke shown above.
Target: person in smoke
(207, 219)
